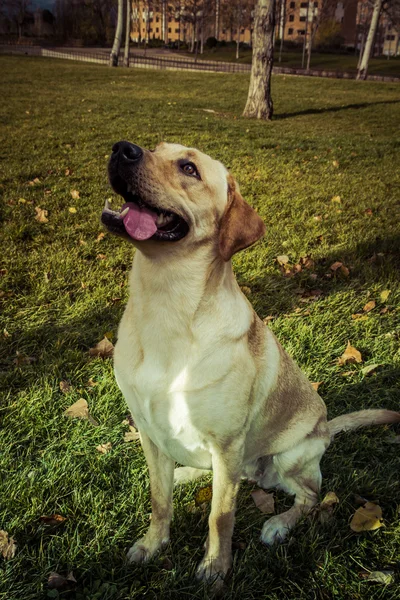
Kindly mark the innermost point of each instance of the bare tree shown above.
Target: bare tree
(363, 68)
(118, 35)
(16, 10)
(127, 33)
(259, 100)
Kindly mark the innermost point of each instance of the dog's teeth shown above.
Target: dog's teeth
(124, 212)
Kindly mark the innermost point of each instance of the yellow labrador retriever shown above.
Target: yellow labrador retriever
(209, 386)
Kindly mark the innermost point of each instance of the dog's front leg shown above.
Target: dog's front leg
(161, 470)
(226, 480)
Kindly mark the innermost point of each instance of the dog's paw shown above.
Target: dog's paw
(213, 571)
(144, 549)
(274, 530)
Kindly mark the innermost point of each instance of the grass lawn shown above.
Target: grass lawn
(324, 175)
(330, 62)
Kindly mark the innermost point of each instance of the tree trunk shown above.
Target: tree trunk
(238, 23)
(305, 38)
(118, 35)
(217, 16)
(363, 69)
(127, 33)
(259, 101)
(282, 28)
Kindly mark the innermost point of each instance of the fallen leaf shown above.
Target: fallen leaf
(104, 349)
(348, 373)
(132, 435)
(369, 369)
(203, 495)
(35, 181)
(317, 217)
(384, 577)
(367, 518)
(104, 448)
(336, 199)
(344, 271)
(59, 582)
(41, 215)
(335, 266)
(101, 257)
(91, 383)
(316, 385)
(52, 519)
(67, 172)
(264, 502)
(359, 317)
(282, 259)
(80, 410)
(22, 359)
(72, 210)
(65, 387)
(384, 310)
(7, 545)
(5, 333)
(330, 500)
(335, 163)
(351, 355)
(246, 290)
(130, 420)
(268, 319)
(368, 211)
(369, 306)
(21, 201)
(75, 194)
(100, 237)
(385, 295)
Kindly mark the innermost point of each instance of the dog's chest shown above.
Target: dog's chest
(158, 387)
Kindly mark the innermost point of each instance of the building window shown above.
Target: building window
(177, 30)
(302, 19)
(151, 30)
(157, 29)
(169, 19)
(303, 4)
(242, 32)
(290, 31)
(293, 5)
(157, 19)
(315, 4)
(291, 18)
(169, 30)
(390, 38)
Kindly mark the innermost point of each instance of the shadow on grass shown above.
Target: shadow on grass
(331, 109)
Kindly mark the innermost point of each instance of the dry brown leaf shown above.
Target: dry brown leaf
(316, 385)
(104, 349)
(246, 290)
(59, 582)
(344, 271)
(22, 360)
(264, 502)
(385, 295)
(65, 387)
(330, 500)
(369, 306)
(104, 448)
(351, 355)
(282, 259)
(268, 319)
(100, 237)
(348, 373)
(317, 217)
(203, 495)
(75, 194)
(52, 519)
(80, 410)
(335, 266)
(132, 435)
(101, 256)
(7, 545)
(368, 211)
(41, 215)
(367, 518)
(67, 172)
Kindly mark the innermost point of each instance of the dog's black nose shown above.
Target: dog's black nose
(127, 152)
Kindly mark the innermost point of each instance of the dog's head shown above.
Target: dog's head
(177, 195)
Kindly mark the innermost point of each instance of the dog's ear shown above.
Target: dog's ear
(240, 225)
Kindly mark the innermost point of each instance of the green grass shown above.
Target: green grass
(329, 138)
(322, 61)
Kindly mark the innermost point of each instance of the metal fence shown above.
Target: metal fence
(173, 63)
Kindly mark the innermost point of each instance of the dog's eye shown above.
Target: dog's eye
(190, 169)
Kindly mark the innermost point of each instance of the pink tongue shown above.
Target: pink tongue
(140, 223)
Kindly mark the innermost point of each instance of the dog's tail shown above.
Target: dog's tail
(362, 418)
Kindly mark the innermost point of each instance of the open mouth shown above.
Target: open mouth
(140, 221)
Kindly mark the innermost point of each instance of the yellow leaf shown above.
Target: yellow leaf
(104, 349)
(350, 355)
(264, 502)
(72, 210)
(329, 500)
(75, 194)
(385, 295)
(336, 199)
(367, 518)
(41, 215)
(369, 306)
(22, 200)
(203, 495)
(80, 410)
(131, 435)
(335, 163)
(359, 317)
(104, 448)
(282, 259)
(100, 237)
(7, 545)
(316, 385)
